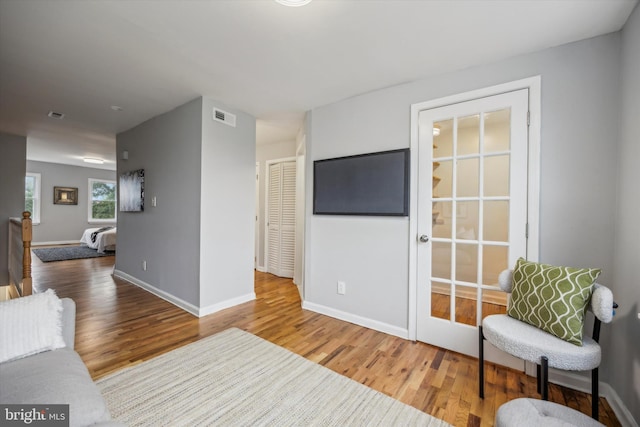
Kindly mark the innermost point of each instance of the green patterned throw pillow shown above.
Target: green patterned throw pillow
(552, 298)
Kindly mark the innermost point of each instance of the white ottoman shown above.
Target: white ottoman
(533, 412)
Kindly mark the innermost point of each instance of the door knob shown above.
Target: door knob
(423, 238)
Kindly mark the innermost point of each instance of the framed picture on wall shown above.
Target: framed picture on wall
(131, 187)
(65, 196)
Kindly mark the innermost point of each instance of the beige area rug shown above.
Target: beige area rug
(237, 379)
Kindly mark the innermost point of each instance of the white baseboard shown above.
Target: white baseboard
(204, 311)
(622, 412)
(186, 306)
(578, 382)
(261, 269)
(358, 320)
(58, 242)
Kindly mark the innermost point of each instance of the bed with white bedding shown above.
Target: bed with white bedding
(104, 241)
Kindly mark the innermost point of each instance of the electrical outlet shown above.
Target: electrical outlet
(342, 288)
(638, 316)
(144, 265)
(154, 201)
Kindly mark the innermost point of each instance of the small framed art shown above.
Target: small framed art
(65, 196)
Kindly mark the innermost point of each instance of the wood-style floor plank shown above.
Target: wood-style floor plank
(119, 325)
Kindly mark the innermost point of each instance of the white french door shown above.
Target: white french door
(472, 215)
(281, 218)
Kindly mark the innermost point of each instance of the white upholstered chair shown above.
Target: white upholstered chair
(523, 412)
(544, 349)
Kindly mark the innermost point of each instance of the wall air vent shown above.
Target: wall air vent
(224, 117)
(55, 115)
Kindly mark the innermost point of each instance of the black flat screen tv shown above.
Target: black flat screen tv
(366, 184)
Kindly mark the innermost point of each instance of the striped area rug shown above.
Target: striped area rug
(237, 379)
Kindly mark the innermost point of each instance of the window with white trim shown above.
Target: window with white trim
(32, 196)
(102, 200)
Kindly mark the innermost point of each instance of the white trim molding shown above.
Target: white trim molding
(178, 302)
(357, 320)
(213, 308)
(186, 306)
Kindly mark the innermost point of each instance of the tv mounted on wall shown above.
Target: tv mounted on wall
(366, 184)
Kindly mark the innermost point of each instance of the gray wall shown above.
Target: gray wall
(13, 155)
(278, 150)
(64, 223)
(167, 147)
(580, 110)
(198, 240)
(227, 204)
(623, 354)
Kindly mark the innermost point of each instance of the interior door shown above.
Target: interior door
(472, 208)
(281, 218)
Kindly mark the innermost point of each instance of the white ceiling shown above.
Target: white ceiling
(272, 61)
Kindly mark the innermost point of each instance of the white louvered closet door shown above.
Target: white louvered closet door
(281, 218)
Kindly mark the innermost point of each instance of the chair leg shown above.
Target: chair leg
(538, 378)
(545, 378)
(480, 363)
(595, 399)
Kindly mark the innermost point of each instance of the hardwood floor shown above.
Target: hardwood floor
(119, 324)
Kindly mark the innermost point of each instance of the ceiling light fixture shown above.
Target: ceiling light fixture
(294, 3)
(92, 160)
(436, 130)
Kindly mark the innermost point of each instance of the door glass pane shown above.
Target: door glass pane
(441, 224)
(443, 138)
(468, 135)
(441, 300)
(441, 260)
(467, 220)
(494, 260)
(466, 299)
(496, 220)
(467, 262)
(497, 131)
(493, 302)
(467, 178)
(496, 176)
(442, 179)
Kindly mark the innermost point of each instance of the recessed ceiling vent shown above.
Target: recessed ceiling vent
(224, 117)
(55, 115)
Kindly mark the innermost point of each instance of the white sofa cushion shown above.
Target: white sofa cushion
(54, 377)
(30, 325)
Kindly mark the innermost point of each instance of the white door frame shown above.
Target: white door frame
(298, 279)
(257, 220)
(267, 179)
(533, 84)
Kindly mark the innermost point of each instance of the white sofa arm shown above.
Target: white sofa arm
(68, 322)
